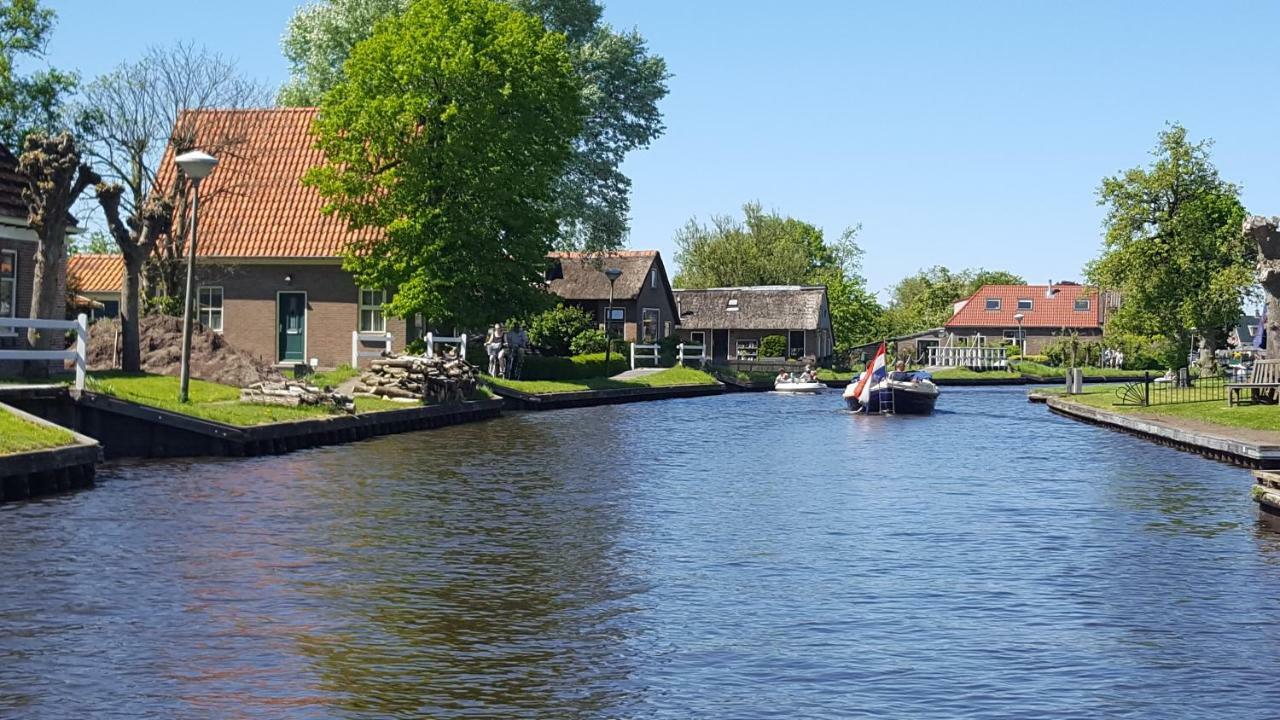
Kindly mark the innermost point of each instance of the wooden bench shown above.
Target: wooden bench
(1263, 384)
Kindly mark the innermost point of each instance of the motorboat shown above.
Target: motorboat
(796, 386)
(901, 393)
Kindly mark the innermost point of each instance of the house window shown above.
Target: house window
(8, 287)
(210, 312)
(371, 317)
(1024, 303)
(1082, 305)
(649, 321)
(666, 329)
(993, 303)
(1011, 335)
(653, 278)
(733, 305)
(698, 338)
(616, 314)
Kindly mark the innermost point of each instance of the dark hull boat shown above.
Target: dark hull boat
(898, 398)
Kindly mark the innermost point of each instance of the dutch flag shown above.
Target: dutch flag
(870, 377)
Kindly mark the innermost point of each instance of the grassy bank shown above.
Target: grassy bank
(18, 435)
(1045, 371)
(211, 401)
(967, 374)
(1216, 412)
(666, 378)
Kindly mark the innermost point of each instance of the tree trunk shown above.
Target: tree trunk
(49, 300)
(130, 309)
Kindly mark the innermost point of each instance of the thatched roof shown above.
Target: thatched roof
(580, 276)
(764, 307)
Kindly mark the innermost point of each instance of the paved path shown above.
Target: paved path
(637, 373)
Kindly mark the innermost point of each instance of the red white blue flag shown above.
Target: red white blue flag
(870, 377)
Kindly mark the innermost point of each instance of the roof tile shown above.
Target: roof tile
(1054, 309)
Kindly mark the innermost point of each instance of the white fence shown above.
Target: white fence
(359, 340)
(460, 341)
(976, 357)
(686, 351)
(80, 325)
(645, 352)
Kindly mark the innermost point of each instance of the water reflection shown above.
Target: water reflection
(740, 556)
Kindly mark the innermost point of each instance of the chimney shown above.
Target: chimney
(1048, 291)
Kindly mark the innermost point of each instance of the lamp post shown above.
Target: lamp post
(1022, 343)
(613, 274)
(197, 165)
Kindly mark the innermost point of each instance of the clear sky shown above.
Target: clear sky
(962, 134)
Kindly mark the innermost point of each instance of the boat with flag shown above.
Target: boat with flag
(879, 392)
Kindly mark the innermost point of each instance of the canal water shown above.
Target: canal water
(744, 556)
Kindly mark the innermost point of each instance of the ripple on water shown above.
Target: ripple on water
(735, 556)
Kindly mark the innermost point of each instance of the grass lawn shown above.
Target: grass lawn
(1045, 371)
(967, 374)
(18, 435)
(828, 375)
(211, 401)
(332, 378)
(1253, 417)
(666, 378)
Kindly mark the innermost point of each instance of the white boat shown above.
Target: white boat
(798, 387)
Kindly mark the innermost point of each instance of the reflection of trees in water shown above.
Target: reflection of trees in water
(478, 570)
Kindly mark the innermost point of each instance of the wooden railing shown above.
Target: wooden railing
(78, 354)
(358, 340)
(433, 339)
(685, 351)
(646, 352)
(976, 357)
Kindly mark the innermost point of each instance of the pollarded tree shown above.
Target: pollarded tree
(128, 117)
(447, 134)
(622, 85)
(1174, 249)
(55, 178)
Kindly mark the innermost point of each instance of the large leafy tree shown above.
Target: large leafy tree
(446, 136)
(927, 299)
(766, 248)
(28, 102)
(622, 83)
(1173, 247)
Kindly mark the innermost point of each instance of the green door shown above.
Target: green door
(291, 322)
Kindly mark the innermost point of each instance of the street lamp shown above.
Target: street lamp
(197, 165)
(1022, 343)
(613, 274)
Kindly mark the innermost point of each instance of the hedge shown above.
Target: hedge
(578, 367)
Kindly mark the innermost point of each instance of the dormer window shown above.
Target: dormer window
(1082, 305)
(1024, 303)
(733, 305)
(993, 303)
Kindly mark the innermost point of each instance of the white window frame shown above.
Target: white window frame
(988, 304)
(1088, 305)
(13, 293)
(653, 278)
(609, 310)
(1030, 304)
(657, 324)
(378, 316)
(698, 337)
(204, 311)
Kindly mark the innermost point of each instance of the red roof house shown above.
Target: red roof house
(1039, 313)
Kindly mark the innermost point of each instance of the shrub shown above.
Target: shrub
(668, 350)
(554, 330)
(588, 342)
(578, 367)
(773, 346)
(1012, 350)
(1037, 359)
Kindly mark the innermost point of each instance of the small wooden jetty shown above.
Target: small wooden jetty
(517, 400)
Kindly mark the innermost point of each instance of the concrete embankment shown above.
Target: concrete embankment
(517, 400)
(1218, 444)
(43, 472)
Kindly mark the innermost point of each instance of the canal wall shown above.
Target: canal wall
(1220, 447)
(44, 472)
(517, 400)
(129, 430)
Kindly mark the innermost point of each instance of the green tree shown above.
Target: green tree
(765, 248)
(1174, 249)
(96, 242)
(31, 102)
(555, 331)
(446, 138)
(622, 85)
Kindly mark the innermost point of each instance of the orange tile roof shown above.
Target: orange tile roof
(1056, 310)
(254, 205)
(96, 273)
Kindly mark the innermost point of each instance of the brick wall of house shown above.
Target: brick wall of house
(249, 309)
(26, 278)
(1036, 338)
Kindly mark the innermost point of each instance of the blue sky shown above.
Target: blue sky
(962, 134)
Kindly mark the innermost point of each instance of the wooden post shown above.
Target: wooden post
(82, 345)
(633, 358)
(431, 345)
(355, 349)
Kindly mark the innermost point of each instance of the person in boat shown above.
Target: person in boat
(783, 377)
(900, 372)
(808, 375)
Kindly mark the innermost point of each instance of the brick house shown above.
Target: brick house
(989, 316)
(644, 307)
(269, 262)
(731, 322)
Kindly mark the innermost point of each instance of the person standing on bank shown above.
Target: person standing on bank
(493, 344)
